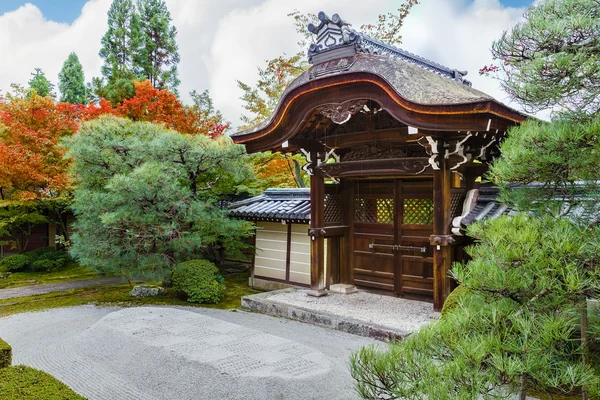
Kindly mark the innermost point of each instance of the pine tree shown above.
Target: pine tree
(159, 55)
(121, 44)
(71, 81)
(40, 83)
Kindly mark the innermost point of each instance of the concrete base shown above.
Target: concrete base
(343, 288)
(264, 284)
(263, 304)
(316, 293)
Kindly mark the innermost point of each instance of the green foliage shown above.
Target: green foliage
(49, 261)
(159, 54)
(44, 259)
(563, 157)
(552, 58)
(71, 81)
(453, 300)
(25, 383)
(15, 262)
(19, 218)
(122, 42)
(40, 83)
(147, 196)
(5, 354)
(519, 319)
(262, 98)
(200, 281)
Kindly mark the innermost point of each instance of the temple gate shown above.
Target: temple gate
(393, 142)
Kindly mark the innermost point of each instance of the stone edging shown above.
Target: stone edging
(261, 303)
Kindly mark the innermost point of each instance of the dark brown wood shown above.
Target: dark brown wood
(388, 256)
(301, 101)
(333, 261)
(317, 222)
(288, 252)
(441, 238)
(389, 167)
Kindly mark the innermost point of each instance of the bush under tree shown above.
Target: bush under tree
(200, 281)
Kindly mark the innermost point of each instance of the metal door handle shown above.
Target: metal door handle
(396, 247)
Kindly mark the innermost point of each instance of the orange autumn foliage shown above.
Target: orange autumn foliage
(31, 127)
(31, 161)
(158, 106)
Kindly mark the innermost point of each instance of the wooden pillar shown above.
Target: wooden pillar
(317, 242)
(441, 240)
(346, 244)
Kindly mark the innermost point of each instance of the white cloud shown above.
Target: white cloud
(223, 41)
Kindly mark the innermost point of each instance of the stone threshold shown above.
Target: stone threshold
(263, 304)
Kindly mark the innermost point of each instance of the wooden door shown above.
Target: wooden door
(392, 224)
(414, 259)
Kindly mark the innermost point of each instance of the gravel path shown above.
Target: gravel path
(183, 353)
(33, 290)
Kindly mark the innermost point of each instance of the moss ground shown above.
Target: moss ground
(118, 295)
(25, 383)
(72, 272)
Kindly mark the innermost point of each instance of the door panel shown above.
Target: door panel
(374, 261)
(392, 223)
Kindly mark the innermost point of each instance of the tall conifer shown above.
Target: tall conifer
(71, 81)
(121, 43)
(159, 55)
(40, 83)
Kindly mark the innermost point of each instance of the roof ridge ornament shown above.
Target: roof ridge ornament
(335, 39)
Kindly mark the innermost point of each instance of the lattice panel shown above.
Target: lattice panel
(374, 211)
(418, 211)
(456, 204)
(332, 211)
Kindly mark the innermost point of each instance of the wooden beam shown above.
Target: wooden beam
(385, 167)
(317, 243)
(399, 134)
(441, 238)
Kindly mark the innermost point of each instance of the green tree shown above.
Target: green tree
(130, 217)
(515, 327)
(159, 54)
(71, 81)
(534, 278)
(40, 83)
(552, 58)
(122, 42)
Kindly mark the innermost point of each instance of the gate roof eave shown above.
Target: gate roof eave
(411, 94)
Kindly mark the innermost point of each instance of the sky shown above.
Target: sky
(223, 41)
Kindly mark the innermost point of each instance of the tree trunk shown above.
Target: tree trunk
(522, 389)
(584, 336)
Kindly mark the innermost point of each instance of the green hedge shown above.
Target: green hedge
(44, 259)
(5, 354)
(25, 383)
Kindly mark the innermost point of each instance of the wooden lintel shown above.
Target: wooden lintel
(333, 231)
(382, 167)
(350, 139)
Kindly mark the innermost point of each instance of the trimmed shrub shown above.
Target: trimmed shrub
(454, 299)
(200, 281)
(47, 259)
(34, 254)
(5, 354)
(50, 261)
(15, 262)
(25, 383)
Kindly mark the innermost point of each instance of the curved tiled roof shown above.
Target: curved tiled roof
(275, 205)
